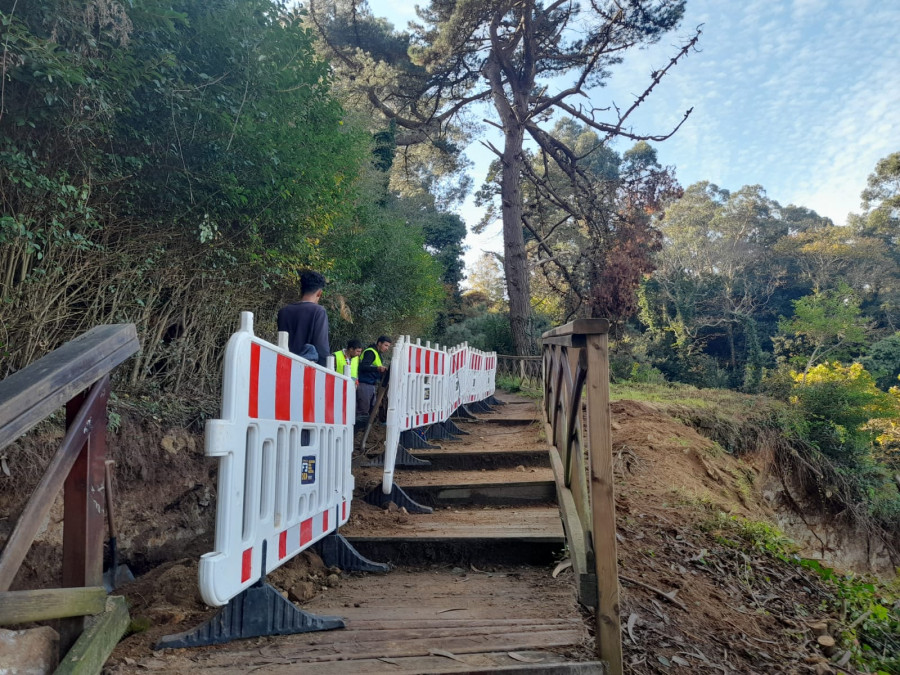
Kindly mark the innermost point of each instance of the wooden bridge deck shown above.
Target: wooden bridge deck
(471, 590)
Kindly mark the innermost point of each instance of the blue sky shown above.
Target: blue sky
(800, 96)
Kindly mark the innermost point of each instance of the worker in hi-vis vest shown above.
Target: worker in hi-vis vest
(370, 371)
(349, 354)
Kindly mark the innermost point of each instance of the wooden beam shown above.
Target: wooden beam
(54, 478)
(30, 395)
(84, 509)
(578, 327)
(579, 546)
(89, 653)
(50, 603)
(603, 504)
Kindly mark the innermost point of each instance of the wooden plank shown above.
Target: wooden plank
(38, 506)
(50, 603)
(540, 663)
(579, 327)
(518, 493)
(30, 395)
(579, 550)
(89, 653)
(603, 505)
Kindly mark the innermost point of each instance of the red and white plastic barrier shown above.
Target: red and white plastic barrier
(284, 445)
(427, 385)
(417, 395)
(480, 376)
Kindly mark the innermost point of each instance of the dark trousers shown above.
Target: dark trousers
(365, 399)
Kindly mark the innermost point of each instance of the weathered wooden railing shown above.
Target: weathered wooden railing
(75, 375)
(527, 368)
(575, 361)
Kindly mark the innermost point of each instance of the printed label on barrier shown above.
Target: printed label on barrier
(308, 470)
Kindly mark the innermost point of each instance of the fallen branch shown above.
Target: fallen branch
(659, 592)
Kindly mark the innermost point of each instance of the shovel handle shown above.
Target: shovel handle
(107, 475)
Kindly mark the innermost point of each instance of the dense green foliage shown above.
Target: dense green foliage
(171, 163)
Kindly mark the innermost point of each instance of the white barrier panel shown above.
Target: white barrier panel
(417, 395)
(284, 445)
(458, 359)
(477, 379)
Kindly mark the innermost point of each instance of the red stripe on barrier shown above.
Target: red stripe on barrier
(418, 360)
(306, 531)
(329, 399)
(254, 380)
(344, 402)
(325, 521)
(309, 394)
(427, 363)
(282, 545)
(283, 388)
(435, 365)
(344, 510)
(246, 564)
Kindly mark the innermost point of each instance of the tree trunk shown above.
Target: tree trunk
(515, 264)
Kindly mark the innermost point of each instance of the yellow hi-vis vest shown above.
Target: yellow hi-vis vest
(340, 360)
(377, 360)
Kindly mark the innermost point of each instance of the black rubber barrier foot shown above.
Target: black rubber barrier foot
(493, 400)
(439, 431)
(480, 407)
(377, 498)
(414, 440)
(453, 429)
(462, 412)
(256, 612)
(403, 459)
(336, 551)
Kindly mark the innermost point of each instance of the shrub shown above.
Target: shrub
(838, 402)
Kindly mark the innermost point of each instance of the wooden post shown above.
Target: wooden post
(603, 503)
(84, 509)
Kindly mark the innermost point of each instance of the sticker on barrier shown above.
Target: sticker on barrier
(284, 445)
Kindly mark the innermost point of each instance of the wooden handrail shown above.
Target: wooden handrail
(575, 363)
(77, 375)
(31, 394)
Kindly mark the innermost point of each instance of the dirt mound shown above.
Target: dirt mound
(657, 455)
(167, 599)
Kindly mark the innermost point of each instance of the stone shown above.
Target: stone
(28, 652)
(332, 580)
(302, 591)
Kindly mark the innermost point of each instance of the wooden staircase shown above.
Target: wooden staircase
(471, 589)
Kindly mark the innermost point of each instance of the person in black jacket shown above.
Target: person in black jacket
(306, 321)
(370, 371)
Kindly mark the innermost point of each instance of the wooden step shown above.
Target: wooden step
(468, 457)
(420, 621)
(527, 535)
(482, 494)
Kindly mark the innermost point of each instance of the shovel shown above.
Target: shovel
(116, 574)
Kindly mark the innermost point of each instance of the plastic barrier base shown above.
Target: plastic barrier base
(439, 432)
(412, 440)
(377, 498)
(462, 412)
(453, 429)
(493, 400)
(336, 551)
(480, 407)
(403, 459)
(260, 610)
